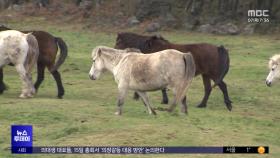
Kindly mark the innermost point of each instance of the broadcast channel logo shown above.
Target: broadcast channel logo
(258, 16)
(21, 139)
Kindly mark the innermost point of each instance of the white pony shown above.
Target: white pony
(21, 50)
(274, 66)
(145, 72)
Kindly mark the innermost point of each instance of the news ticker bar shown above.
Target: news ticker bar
(140, 150)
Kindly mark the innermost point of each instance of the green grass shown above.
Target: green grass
(86, 114)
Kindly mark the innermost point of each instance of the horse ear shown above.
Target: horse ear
(98, 53)
(273, 61)
(148, 42)
(151, 39)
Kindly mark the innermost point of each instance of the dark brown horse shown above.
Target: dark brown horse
(48, 47)
(211, 62)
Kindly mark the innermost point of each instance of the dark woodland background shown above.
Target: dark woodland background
(207, 16)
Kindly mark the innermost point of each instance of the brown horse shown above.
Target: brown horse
(212, 62)
(48, 47)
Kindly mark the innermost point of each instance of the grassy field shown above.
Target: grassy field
(86, 114)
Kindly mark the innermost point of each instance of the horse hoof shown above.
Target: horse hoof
(118, 113)
(229, 107)
(59, 97)
(201, 106)
(152, 112)
(2, 89)
(23, 96)
(60, 94)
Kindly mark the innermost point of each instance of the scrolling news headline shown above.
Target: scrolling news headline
(22, 143)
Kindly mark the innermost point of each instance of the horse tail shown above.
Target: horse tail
(33, 52)
(188, 76)
(223, 63)
(63, 53)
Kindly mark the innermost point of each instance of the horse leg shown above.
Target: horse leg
(60, 89)
(135, 96)
(2, 84)
(227, 101)
(184, 108)
(174, 103)
(145, 100)
(31, 86)
(40, 76)
(122, 94)
(207, 91)
(26, 83)
(164, 96)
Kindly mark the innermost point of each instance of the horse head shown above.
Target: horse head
(155, 43)
(274, 67)
(97, 64)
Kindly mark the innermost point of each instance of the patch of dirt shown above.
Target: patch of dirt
(171, 136)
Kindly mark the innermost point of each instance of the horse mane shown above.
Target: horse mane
(132, 37)
(161, 38)
(111, 53)
(133, 40)
(113, 50)
(274, 60)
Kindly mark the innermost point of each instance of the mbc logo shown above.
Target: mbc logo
(258, 13)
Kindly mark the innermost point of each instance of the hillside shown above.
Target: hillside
(207, 16)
